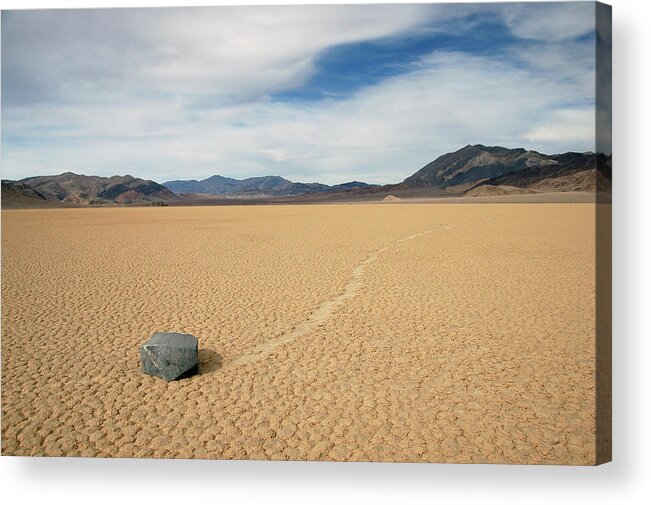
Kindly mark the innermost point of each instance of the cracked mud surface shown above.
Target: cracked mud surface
(445, 333)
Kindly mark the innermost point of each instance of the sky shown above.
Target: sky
(324, 94)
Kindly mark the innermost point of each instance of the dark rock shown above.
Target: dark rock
(170, 355)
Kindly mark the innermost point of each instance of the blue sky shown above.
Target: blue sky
(312, 93)
(343, 69)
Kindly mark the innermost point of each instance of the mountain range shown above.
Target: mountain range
(473, 170)
(74, 189)
(271, 185)
(475, 166)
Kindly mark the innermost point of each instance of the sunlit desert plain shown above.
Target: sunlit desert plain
(349, 332)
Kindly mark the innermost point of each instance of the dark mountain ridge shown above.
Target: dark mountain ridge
(563, 164)
(477, 169)
(473, 163)
(270, 185)
(89, 190)
(473, 170)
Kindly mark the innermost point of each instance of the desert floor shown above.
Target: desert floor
(443, 332)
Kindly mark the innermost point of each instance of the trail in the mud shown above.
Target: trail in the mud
(324, 310)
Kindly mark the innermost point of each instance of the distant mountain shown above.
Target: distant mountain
(559, 166)
(17, 195)
(347, 186)
(569, 172)
(478, 165)
(271, 185)
(473, 170)
(469, 165)
(69, 188)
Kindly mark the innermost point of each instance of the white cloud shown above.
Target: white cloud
(577, 125)
(216, 55)
(549, 21)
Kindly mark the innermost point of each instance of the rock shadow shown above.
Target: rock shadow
(209, 361)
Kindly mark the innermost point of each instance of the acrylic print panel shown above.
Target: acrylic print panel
(347, 233)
